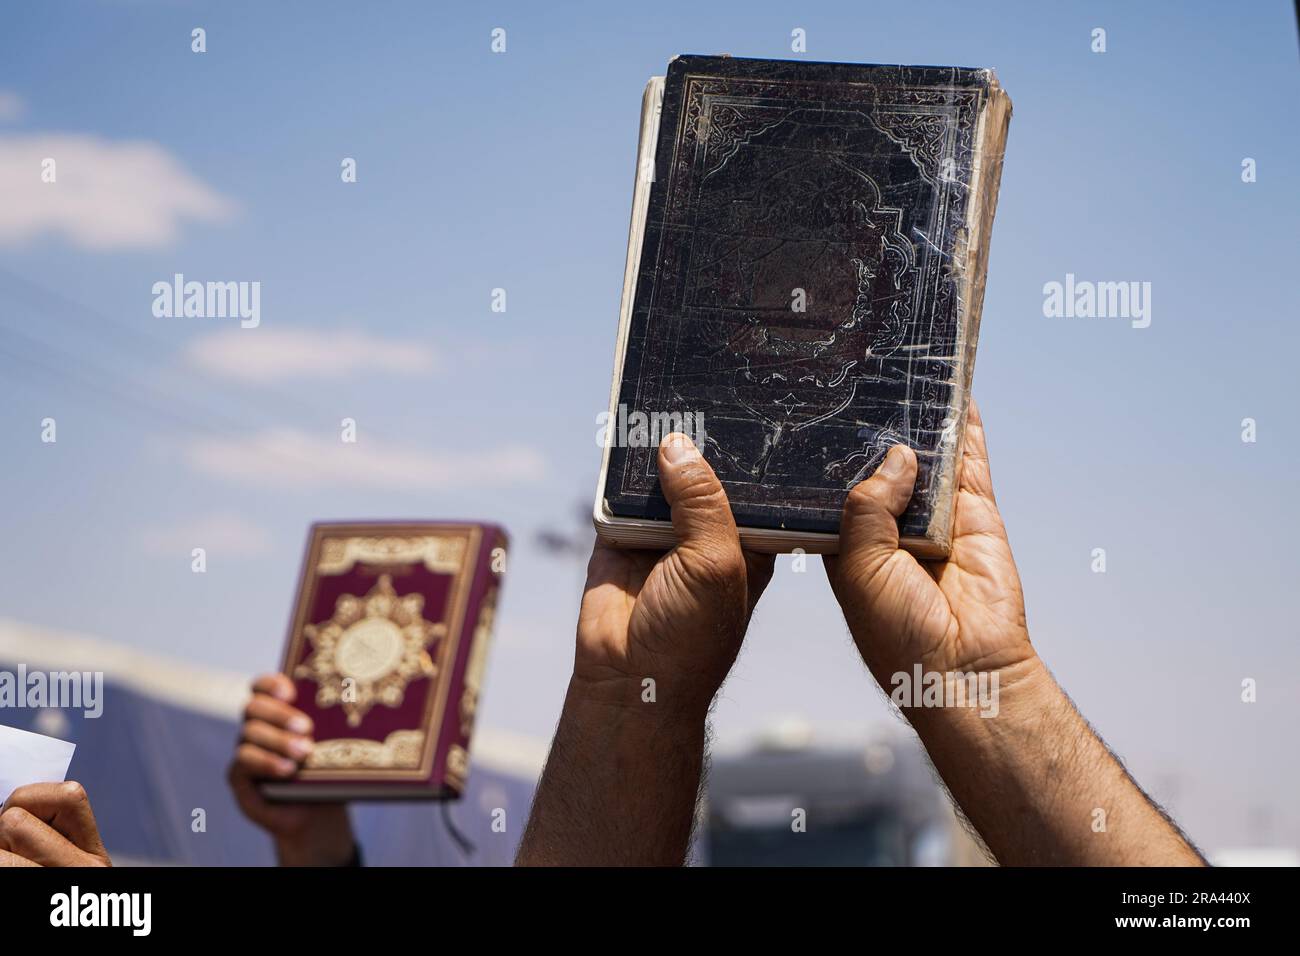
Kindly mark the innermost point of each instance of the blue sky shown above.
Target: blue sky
(479, 171)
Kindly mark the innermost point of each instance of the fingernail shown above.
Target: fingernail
(679, 449)
(285, 767)
(299, 724)
(892, 466)
(300, 746)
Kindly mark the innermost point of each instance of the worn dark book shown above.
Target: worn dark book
(388, 647)
(805, 273)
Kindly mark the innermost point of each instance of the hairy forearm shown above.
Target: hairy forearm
(620, 785)
(1040, 787)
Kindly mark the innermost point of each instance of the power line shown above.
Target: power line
(97, 322)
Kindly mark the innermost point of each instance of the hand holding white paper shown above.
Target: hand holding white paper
(31, 758)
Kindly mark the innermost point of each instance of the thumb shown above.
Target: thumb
(701, 515)
(869, 526)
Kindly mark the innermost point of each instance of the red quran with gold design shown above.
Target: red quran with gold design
(387, 647)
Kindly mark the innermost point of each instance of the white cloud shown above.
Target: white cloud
(288, 458)
(220, 533)
(12, 106)
(272, 355)
(106, 195)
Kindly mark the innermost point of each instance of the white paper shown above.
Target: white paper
(31, 758)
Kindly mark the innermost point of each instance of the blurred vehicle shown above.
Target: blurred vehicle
(791, 802)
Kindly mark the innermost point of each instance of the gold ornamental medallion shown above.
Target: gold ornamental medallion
(370, 650)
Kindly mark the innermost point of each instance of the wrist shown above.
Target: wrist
(328, 842)
(665, 698)
(988, 704)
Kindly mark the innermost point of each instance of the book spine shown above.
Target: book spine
(470, 665)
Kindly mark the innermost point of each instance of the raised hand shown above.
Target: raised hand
(657, 634)
(966, 613)
(1028, 771)
(676, 617)
(274, 741)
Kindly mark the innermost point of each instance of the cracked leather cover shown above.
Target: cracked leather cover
(842, 189)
